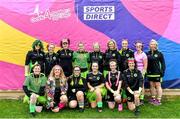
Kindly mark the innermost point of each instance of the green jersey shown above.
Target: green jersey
(81, 59)
(34, 83)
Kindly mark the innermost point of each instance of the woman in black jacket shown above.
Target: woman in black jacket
(111, 53)
(65, 56)
(155, 71)
(97, 56)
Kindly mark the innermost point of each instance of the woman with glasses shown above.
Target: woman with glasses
(141, 63)
(76, 89)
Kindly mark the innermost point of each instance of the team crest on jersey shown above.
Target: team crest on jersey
(135, 75)
(54, 58)
(100, 57)
(113, 55)
(128, 98)
(127, 55)
(98, 78)
(155, 55)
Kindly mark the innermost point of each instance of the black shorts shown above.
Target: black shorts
(57, 96)
(72, 96)
(130, 97)
(155, 79)
(110, 97)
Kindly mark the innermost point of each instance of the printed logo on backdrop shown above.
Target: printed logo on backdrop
(99, 13)
(49, 14)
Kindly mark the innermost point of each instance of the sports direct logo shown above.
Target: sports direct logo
(99, 12)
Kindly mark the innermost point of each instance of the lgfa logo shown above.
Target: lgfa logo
(49, 15)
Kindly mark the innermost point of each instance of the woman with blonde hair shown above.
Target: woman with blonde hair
(51, 58)
(111, 53)
(97, 56)
(56, 89)
(155, 72)
(113, 84)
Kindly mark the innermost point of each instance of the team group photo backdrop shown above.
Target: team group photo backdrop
(89, 21)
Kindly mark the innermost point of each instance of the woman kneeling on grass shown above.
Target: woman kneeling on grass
(133, 83)
(76, 89)
(33, 87)
(56, 89)
(97, 91)
(113, 84)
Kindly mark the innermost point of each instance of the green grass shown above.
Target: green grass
(169, 109)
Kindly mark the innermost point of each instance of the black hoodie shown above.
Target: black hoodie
(156, 63)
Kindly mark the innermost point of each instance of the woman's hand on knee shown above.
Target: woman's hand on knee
(136, 94)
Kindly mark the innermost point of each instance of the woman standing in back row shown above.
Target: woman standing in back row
(97, 56)
(155, 72)
(65, 56)
(141, 63)
(35, 56)
(111, 53)
(81, 59)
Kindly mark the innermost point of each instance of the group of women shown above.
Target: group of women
(78, 78)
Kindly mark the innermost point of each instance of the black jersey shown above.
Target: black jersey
(50, 62)
(76, 84)
(33, 57)
(125, 54)
(109, 55)
(65, 61)
(132, 79)
(95, 80)
(113, 79)
(156, 63)
(97, 57)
